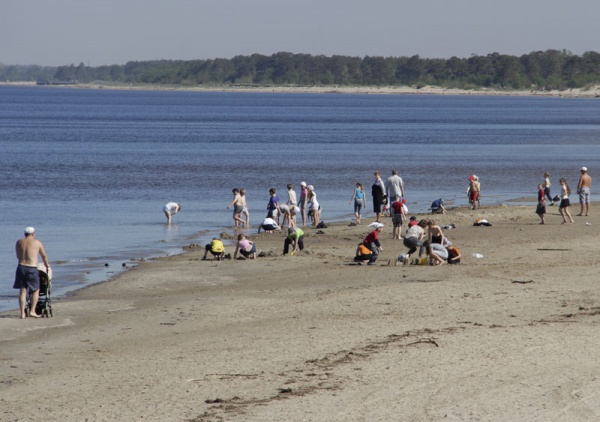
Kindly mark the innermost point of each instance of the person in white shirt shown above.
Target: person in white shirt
(170, 210)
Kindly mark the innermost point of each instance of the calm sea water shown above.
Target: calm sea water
(91, 169)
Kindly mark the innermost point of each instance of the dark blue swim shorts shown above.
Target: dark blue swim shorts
(27, 278)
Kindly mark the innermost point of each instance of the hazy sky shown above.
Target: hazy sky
(98, 32)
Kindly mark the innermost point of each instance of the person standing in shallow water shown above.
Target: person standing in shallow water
(170, 210)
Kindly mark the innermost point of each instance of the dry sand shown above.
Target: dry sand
(586, 92)
(508, 337)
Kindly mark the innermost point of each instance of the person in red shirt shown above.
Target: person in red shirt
(372, 242)
(398, 217)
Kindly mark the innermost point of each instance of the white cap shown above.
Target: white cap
(583, 168)
(311, 187)
(29, 230)
(303, 184)
(376, 225)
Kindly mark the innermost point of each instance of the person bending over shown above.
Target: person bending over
(216, 248)
(295, 238)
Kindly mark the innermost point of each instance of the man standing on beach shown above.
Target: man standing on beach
(27, 276)
(583, 188)
(394, 186)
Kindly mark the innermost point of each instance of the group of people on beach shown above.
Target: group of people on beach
(436, 246)
(583, 190)
(307, 206)
(433, 243)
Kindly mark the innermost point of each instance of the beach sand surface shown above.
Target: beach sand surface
(315, 337)
(592, 91)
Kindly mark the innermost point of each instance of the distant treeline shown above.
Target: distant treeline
(551, 69)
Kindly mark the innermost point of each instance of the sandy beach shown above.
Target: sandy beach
(587, 92)
(509, 336)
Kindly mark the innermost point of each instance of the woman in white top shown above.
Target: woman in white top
(171, 209)
(313, 205)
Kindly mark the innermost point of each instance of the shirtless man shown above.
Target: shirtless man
(583, 188)
(27, 276)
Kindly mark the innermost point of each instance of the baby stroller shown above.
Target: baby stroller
(44, 304)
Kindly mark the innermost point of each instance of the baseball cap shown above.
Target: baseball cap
(29, 230)
(303, 184)
(583, 168)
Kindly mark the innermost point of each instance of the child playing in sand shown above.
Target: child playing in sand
(238, 207)
(245, 247)
(565, 191)
(541, 205)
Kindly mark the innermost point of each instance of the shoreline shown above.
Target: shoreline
(591, 92)
(316, 337)
(229, 240)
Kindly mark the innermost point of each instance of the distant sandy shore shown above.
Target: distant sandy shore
(511, 336)
(592, 92)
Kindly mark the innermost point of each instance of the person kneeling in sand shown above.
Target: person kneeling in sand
(245, 247)
(454, 256)
(437, 253)
(294, 238)
(216, 248)
(372, 242)
(269, 226)
(363, 254)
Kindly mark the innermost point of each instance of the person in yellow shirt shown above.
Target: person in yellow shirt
(216, 248)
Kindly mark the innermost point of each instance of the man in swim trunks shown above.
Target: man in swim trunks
(27, 277)
(171, 209)
(583, 188)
